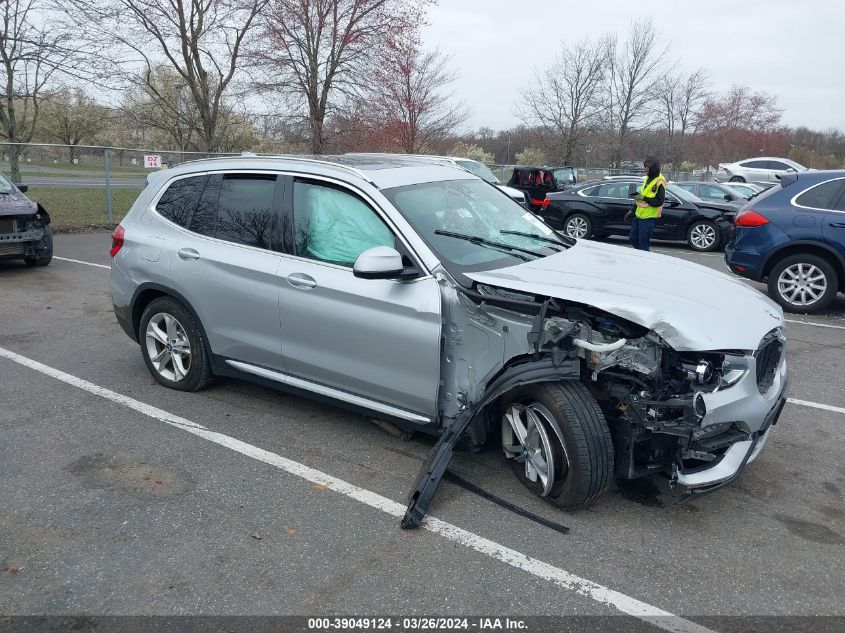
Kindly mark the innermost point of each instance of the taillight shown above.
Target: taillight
(541, 203)
(750, 218)
(116, 240)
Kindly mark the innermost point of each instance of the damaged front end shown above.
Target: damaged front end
(25, 235)
(697, 418)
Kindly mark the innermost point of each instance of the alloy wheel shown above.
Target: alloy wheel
(526, 438)
(168, 347)
(802, 284)
(576, 227)
(703, 236)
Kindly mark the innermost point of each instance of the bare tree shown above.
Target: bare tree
(563, 100)
(677, 105)
(71, 117)
(203, 41)
(31, 52)
(408, 104)
(631, 85)
(320, 51)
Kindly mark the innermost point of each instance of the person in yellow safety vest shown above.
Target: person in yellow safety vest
(649, 204)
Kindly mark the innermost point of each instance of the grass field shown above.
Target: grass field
(80, 207)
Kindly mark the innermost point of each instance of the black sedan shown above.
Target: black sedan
(599, 208)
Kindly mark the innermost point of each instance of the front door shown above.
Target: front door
(375, 338)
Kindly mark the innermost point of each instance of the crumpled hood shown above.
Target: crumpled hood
(691, 307)
(15, 203)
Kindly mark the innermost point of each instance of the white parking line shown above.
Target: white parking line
(816, 405)
(79, 261)
(835, 327)
(533, 566)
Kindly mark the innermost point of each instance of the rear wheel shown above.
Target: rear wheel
(703, 236)
(578, 226)
(173, 346)
(557, 441)
(803, 283)
(737, 179)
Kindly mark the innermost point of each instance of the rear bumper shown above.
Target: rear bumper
(744, 263)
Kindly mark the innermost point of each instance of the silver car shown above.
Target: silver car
(763, 170)
(417, 294)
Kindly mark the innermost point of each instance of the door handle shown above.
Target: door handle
(187, 254)
(837, 225)
(301, 280)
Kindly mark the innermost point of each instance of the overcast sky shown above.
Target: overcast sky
(793, 49)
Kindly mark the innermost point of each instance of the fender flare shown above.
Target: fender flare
(772, 256)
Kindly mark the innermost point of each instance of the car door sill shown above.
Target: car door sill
(329, 392)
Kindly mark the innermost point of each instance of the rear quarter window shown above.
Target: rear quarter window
(179, 200)
(822, 196)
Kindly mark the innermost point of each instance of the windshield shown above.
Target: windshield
(479, 169)
(5, 185)
(445, 214)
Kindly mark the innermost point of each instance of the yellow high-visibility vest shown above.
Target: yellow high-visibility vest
(649, 189)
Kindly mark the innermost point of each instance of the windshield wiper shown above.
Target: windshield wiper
(536, 236)
(475, 239)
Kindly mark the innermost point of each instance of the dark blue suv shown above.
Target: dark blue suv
(793, 237)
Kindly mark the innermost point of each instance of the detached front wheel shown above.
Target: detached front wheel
(557, 441)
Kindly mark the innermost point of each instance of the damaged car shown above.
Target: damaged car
(24, 227)
(415, 293)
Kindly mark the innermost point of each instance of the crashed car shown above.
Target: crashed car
(419, 295)
(24, 227)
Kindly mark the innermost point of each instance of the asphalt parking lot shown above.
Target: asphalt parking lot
(120, 497)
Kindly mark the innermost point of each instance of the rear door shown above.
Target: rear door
(225, 266)
(614, 202)
(756, 171)
(378, 339)
(827, 202)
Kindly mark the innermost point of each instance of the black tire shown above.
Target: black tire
(45, 250)
(700, 230)
(583, 221)
(581, 444)
(198, 375)
(777, 291)
(737, 179)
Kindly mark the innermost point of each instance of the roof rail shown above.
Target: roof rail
(289, 157)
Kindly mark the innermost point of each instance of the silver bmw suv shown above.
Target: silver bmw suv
(417, 294)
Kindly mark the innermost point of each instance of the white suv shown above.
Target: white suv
(416, 293)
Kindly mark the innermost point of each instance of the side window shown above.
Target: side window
(756, 164)
(823, 196)
(204, 220)
(614, 190)
(590, 191)
(774, 164)
(333, 225)
(245, 210)
(180, 199)
(690, 188)
(711, 193)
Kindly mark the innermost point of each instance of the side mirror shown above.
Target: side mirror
(672, 202)
(729, 197)
(379, 262)
(22, 188)
(791, 170)
(633, 190)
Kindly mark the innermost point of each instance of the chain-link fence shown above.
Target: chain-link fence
(82, 186)
(88, 187)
